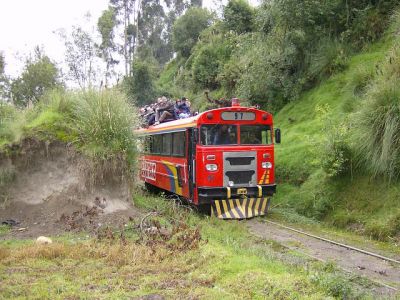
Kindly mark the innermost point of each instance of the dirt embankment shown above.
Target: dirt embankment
(52, 191)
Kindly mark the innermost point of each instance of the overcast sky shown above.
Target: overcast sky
(25, 24)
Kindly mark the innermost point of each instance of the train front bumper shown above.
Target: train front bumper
(242, 208)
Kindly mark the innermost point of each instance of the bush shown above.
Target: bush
(330, 57)
(315, 197)
(271, 71)
(358, 84)
(141, 85)
(186, 29)
(335, 153)
(238, 16)
(378, 123)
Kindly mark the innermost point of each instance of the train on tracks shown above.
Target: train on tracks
(221, 160)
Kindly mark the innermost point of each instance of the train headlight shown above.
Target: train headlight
(211, 167)
(266, 165)
(231, 183)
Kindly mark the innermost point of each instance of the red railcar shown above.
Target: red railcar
(221, 159)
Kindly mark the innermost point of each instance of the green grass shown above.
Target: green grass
(227, 263)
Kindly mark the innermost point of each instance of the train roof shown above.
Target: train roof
(191, 121)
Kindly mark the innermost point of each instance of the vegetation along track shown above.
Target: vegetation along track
(384, 271)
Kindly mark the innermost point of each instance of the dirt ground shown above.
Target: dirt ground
(50, 196)
(348, 260)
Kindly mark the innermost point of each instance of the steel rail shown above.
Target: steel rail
(336, 243)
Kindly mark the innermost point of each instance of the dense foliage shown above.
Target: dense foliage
(187, 29)
(272, 53)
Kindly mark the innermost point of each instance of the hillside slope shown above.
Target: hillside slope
(322, 116)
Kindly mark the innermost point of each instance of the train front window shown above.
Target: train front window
(221, 134)
(255, 135)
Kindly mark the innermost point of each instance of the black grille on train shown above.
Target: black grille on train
(237, 161)
(240, 177)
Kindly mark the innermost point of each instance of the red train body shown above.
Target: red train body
(222, 159)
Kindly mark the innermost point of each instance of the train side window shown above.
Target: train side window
(167, 144)
(178, 144)
(157, 144)
(148, 144)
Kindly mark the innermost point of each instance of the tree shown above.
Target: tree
(152, 25)
(106, 25)
(187, 29)
(126, 8)
(238, 16)
(140, 86)
(40, 74)
(4, 81)
(80, 56)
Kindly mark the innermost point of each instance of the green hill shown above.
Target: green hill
(322, 118)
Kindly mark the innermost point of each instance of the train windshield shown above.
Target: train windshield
(221, 134)
(255, 135)
(224, 134)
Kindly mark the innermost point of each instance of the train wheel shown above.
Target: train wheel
(151, 188)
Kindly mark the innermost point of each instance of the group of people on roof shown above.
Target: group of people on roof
(165, 110)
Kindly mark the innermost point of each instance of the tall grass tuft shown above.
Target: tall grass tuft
(378, 123)
(104, 122)
(11, 123)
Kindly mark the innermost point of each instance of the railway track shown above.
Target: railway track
(336, 243)
(382, 270)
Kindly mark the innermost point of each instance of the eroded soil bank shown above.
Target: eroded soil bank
(51, 192)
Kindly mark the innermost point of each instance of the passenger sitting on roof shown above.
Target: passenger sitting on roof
(164, 111)
(182, 108)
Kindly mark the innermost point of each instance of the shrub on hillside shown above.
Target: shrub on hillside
(140, 85)
(330, 57)
(378, 123)
(315, 198)
(238, 16)
(335, 154)
(208, 61)
(272, 69)
(186, 29)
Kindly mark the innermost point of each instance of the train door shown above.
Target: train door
(191, 148)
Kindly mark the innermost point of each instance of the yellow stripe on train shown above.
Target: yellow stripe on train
(240, 208)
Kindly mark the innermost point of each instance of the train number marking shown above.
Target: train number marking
(148, 170)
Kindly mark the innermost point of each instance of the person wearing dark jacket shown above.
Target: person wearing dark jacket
(183, 108)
